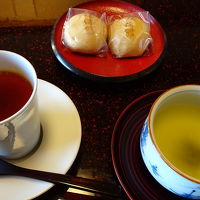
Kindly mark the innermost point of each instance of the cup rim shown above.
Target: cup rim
(35, 85)
(163, 96)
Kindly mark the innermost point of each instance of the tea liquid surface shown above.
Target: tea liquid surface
(15, 91)
(177, 132)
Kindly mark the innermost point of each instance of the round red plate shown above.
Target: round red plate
(109, 68)
(132, 174)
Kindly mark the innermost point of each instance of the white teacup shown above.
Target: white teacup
(19, 131)
(170, 141)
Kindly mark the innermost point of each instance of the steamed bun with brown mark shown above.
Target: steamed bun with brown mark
(129, 37)
(85, 33)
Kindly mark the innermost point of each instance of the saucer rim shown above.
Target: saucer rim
(114, 149)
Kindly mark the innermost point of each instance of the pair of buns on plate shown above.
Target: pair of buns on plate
(88, 34)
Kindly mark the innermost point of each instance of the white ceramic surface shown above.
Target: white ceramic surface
(58, 149)
(167, 175)
(18, 136)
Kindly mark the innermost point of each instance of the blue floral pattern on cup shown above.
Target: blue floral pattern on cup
(155, 170)
(143, 138)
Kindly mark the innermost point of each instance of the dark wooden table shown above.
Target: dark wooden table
(100, 104)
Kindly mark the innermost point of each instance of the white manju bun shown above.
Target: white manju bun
(85, 33)
(129, 37)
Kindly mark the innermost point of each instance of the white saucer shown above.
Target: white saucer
(58, 149)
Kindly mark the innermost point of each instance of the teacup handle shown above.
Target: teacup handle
(7, 138)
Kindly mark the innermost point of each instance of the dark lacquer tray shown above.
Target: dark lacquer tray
(127, 160)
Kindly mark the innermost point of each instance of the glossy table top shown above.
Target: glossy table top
(100, 104)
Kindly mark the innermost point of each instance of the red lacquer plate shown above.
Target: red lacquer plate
(132, 174)
(109, 68)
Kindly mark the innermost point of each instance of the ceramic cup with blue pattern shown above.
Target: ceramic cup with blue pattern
(170, 141)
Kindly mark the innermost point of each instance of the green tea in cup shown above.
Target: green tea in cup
(170, 140)
(177, 133)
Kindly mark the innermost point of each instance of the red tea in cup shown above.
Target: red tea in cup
(19, 113)
(15, 91)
